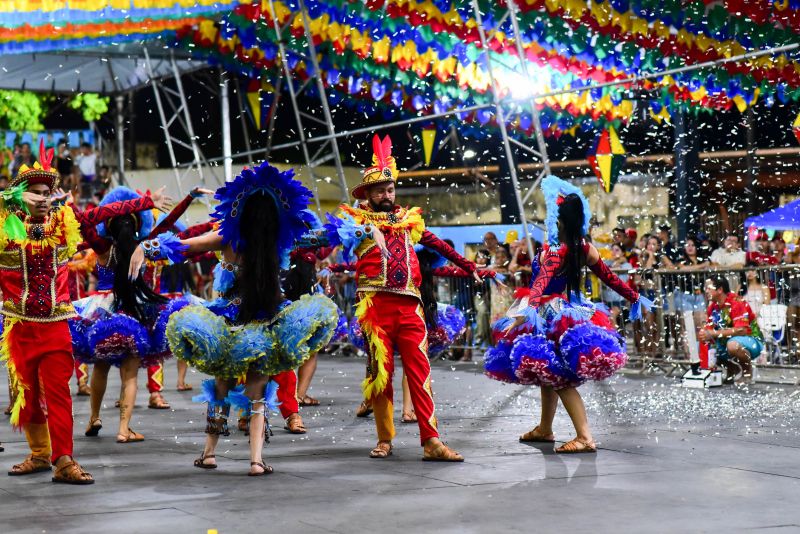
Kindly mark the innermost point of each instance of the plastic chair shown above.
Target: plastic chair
(772, 321)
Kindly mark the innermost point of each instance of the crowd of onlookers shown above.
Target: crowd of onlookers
(79, 169)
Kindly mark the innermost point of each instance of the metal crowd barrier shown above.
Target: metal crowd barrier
(659, 343)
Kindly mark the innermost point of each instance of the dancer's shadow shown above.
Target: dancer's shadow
(556, 467)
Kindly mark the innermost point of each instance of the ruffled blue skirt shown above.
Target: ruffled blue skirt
(561, 344)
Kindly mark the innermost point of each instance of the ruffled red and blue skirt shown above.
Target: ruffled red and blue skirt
(561, 344)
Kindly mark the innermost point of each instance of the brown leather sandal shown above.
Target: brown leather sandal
(185, 387)
(267, 469)
(84, 390)
(441, 453)
(382, 450)
(72, 473)
(201, 462)
(308, 401)
(244, 425)
(536, 436)
(364, 409)
(294, 424)
(157, 402)
(132, 437)
(577, 446)
(32, 464)
(94, 427)
(410, 417)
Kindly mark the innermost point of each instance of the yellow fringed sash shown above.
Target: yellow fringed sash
(408, 219)
(373, 386)
(17, 386)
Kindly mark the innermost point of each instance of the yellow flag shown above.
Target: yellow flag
(428, 138)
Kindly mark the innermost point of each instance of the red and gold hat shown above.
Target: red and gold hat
(39, 173)
(384, 168)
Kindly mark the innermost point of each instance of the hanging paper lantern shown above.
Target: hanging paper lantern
(607, 157)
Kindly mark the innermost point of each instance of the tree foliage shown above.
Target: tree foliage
(22, 111)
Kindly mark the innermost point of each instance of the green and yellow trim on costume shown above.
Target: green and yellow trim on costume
(18, 387)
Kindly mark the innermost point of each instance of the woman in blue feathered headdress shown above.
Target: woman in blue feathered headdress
(250, 330)
(552, 337)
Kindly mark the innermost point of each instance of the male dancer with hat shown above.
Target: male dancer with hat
(37, 239)
(382, 235)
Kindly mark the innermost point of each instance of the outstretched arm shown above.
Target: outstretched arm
(167, 246)
(90, 218)
(449, 271)
(176, 212)
(599, 268)
(429, 240)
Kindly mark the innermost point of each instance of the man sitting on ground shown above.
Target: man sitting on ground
(732, 326)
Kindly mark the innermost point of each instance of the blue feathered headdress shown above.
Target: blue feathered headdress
(145, 217)
(440, 260)
(291, 198)
(554, 188)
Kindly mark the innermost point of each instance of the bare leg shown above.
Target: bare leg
(254, 389)
(222, 387)
(408, 406)
(128, 372)
(98, 384)
(183, 367)
(741, 355)
(304, 375)
(549, 405)
(573, 402)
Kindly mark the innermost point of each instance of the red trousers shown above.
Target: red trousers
(390, 323)
(287, 392)
(81, 372)
(155, 378)
(40, 360)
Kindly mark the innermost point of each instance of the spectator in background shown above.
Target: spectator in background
(732, 327)
(520, 266)
(87, 163)
(615, 303)
(689, 291)
(730, 256)
(756, 294)
(490, 242)
(667, 245)
(3, 182)
(761, 253)
(501, 296)
(63, 160)
(618, 237)
(778, 248)
(483, 328)
(103, 182)
(23, 157)
(704, 246)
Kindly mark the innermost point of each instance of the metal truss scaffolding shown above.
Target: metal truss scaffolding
(308, 125)
(509, 24)
(176, 122)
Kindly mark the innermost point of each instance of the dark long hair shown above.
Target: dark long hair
(299, 280)
(131, 297)
(259, 283)
(570, 229)
(426, 288)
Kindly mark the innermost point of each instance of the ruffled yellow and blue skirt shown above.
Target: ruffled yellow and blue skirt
(208, 338)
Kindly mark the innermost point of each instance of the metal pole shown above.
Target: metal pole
(288, 74)
(501, 121)
(120, 100)
(324, 99)
(226, 125)
(243, 120)
(164, 125)
(187, 117)
(537, 123)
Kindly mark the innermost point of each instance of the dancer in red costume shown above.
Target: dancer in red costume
(382, 235)
(36, 341)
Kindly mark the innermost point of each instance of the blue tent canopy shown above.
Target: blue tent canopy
(786, 217)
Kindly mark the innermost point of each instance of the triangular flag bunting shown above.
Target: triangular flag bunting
(428, 140)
